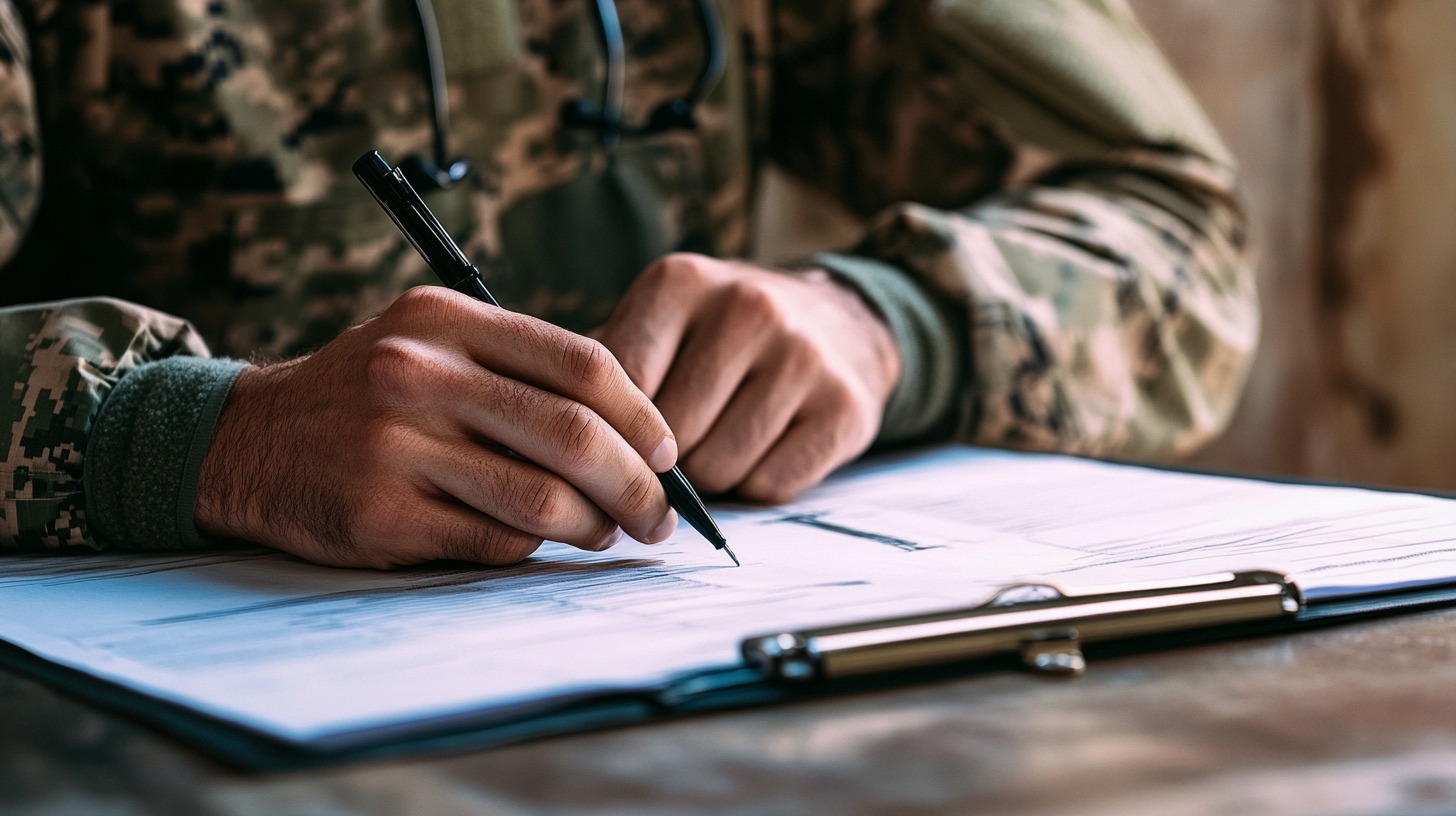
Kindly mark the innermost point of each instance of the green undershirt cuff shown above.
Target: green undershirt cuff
(930, 354)
(146, 448)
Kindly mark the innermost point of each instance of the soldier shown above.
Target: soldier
(1054, 260)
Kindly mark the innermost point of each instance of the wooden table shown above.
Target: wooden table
(1357, 719)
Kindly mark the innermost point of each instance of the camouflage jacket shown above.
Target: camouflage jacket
(193, 156)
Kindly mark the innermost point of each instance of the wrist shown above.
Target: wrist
(930, 332)
(874, 328)
(221, 508)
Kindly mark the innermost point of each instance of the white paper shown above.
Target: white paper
(313, 654)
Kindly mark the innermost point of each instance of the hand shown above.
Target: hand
(769, 380)
(443, 428)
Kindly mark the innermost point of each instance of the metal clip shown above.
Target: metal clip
(1046, 624)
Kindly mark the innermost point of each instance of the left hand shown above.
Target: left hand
(768, 379)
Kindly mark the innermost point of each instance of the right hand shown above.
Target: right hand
(443, 428)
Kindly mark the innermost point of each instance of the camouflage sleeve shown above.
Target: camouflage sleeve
(1106, 304)
(70, 360)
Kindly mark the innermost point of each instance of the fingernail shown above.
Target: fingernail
(664, 529)
(664, 456)
(608, 540)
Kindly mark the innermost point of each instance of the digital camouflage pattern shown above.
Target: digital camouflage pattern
(197, 153)
(64, 358)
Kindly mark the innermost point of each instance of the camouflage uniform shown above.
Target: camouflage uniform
(196, 158)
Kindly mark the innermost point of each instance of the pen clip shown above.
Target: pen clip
(441, 238)
(1044, 623)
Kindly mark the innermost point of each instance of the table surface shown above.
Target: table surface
(1354, 719)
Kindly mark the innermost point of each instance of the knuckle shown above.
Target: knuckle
(639, 496)
(397, 366)
(589, 365)
(751, 302)
(798, 360)
(643, 427)
(682, 269)
(423, 303)
(838, 397)
(578, 432)
(418, 295)
(544, 502)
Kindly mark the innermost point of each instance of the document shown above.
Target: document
(326, 657)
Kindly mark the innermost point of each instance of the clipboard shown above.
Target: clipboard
(1038, 627)
(1041, 627)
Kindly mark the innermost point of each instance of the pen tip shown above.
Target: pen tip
(736, 562)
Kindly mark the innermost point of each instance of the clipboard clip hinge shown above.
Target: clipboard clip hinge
(1045, 624)
(1056, 654)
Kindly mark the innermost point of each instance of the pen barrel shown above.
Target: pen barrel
(474, 286)
(690, 507)
(919, 641)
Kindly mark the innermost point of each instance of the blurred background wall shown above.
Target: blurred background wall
(1343, 116)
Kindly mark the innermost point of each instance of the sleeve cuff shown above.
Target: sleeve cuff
(146, 451)
(930, 355)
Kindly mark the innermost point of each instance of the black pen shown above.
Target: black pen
(408, 211)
